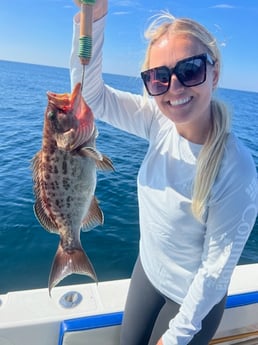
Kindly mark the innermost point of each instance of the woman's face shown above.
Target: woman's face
(187, 107)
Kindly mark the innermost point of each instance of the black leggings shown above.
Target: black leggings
(147, 314)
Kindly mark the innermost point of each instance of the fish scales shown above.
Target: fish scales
(64, 174)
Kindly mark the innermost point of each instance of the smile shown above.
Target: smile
(180, 101)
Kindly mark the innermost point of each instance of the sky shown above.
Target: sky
(40, 32)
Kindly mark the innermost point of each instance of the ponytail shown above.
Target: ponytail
(210, 157)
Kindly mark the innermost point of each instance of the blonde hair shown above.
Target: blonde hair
(209, 159)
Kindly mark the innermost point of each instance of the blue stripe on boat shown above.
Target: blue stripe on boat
(242, 299)
(89, 322)
(114, 319)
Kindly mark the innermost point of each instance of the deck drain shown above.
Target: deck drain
(70, 299)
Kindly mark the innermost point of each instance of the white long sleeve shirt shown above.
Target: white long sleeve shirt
(188, 261)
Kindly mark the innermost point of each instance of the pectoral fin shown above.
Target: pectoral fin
(102, 161)
(105, 164)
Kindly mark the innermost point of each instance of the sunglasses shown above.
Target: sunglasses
(190, 72)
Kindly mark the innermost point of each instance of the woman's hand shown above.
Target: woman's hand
(160, 342)
(99, 8)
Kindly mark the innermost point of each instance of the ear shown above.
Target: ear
(215, 74)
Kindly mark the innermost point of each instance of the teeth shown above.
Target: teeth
(179, 101)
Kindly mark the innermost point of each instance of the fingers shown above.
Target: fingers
(99, 8)
(77, 2)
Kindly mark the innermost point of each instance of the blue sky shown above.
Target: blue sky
(40, 32)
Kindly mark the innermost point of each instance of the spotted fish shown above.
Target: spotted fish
(64, 175)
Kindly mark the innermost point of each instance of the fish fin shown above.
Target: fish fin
(95, 133)
(39, 209)
(94, 216)
(102, 161)
(88, 151)
(43, 218)
(36, 171)
(35, 162)
(67, 262)
(105, 164)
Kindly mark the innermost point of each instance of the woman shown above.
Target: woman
(197, 186)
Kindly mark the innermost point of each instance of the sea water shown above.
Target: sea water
(26, 249)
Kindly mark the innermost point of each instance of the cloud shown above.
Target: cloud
(121, 13)
(124, 7)
(123, 3)
(223, 6)
(218, 27)
(133, 5)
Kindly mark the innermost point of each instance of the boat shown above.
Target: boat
(92, 313)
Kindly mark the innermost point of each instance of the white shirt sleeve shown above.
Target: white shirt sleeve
(124, 110)
(232, 213)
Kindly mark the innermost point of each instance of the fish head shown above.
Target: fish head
(69, 119)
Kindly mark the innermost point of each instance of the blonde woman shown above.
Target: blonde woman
(197, 186)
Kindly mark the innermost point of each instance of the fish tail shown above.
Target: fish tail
(67, 262)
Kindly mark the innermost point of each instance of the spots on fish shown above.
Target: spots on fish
(66, 183)
(50, 169)
(64, 166)
(54, 185)
(52, 194)
(75, 172)
(47, 158)
(64, 204)
(47, 176)
(45, 185)
(68, 201)
(49, 148)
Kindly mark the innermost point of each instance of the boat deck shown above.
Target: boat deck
(31, 317)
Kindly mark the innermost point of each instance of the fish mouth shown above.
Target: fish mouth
(81, 127)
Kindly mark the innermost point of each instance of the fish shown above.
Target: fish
(64, 175)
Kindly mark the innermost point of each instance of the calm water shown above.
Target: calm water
(26, 249)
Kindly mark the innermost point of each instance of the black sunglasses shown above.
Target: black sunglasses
(190, 72)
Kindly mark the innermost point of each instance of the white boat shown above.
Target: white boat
(92, 314)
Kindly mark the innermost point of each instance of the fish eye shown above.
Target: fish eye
(51, 115)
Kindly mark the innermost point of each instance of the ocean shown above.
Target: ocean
(26, 249)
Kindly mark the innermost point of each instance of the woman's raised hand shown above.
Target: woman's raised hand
(99, 8)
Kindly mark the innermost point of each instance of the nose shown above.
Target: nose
(175, 85)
